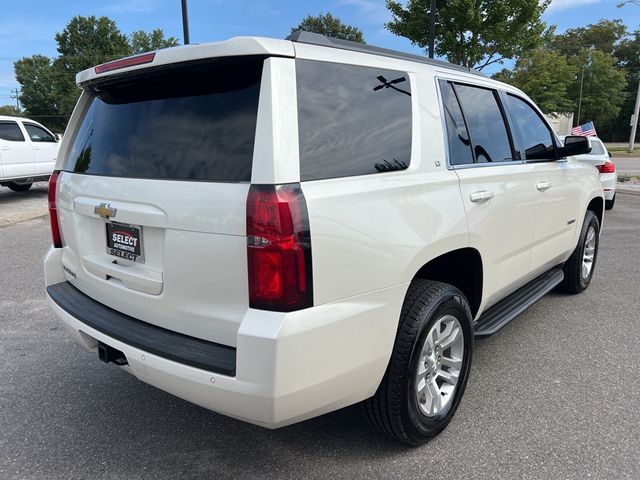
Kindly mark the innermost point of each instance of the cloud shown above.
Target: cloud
(557, 5)
(371, 11)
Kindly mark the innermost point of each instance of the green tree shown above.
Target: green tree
(142, 41)
(9, 110)
(546, 77)
(327, 24)
(602, 89)
(473, 33)
(628, 56)
(85, 42)
(38, 96)
(603, 36)
(49, 91)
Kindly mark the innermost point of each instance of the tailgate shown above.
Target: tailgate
(152, 196)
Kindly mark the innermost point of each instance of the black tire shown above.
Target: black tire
(394, 408)
(19, 187)
(574, 279)
(608, 204)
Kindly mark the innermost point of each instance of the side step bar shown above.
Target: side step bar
(510, 307)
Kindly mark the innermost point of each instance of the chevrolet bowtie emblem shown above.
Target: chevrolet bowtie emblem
(105, 211)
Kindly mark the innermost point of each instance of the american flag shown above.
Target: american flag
(586, 130)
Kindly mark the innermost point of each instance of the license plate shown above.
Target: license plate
(125, 241)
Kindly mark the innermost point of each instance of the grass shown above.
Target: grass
(628, 179)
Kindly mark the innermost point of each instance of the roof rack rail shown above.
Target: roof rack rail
(301, 36)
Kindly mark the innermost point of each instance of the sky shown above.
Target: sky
(28, 31)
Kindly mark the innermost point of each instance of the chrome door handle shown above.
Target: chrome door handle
(481, 196)
(4, 148)
(542, 186)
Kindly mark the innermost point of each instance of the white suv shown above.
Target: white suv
(28, 153)
(275, 229)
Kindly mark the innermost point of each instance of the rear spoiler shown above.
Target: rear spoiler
(237, 46)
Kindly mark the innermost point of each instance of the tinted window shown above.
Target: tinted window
(352, 120)
(486, 124)
(37, 134)
(596, 148)
(191, 123)
(11, 131)
(536, 137)
(458, 137)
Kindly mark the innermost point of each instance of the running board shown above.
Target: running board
(510, 307)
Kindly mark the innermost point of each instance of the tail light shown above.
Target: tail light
(608, 167)
(53, 211)
(278, 248)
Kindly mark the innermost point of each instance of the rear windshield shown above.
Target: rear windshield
(191, 123)
(596, 148)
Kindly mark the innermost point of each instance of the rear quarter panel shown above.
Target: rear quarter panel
(376, 231)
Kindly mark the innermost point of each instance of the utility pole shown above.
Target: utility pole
(185, 22)
(432, 27)
(580, 99)
(634, 121)
(636, 110)
(17, 97)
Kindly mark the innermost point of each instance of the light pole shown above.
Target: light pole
(432, 27)
(636, 110)
(634, 121)
(580, 98)
(185, 22)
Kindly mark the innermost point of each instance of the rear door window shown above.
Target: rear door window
(38, 134)
(192, 122)
(352, 120)
(457, 134)
(10, 131)
(487, 127)
(535, 135)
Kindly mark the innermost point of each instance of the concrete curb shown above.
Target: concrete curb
(22, 217)
(628, 190)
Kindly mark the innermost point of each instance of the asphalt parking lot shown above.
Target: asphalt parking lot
(556, 394)
(17, 207)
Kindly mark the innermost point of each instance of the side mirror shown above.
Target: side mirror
(575, 145)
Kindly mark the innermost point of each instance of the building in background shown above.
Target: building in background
(560, 122)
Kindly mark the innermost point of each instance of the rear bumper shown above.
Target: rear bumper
(165, 343)
(288, 366)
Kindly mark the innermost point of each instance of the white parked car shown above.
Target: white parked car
(600, 158)
(275, 229)
(28, 153)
